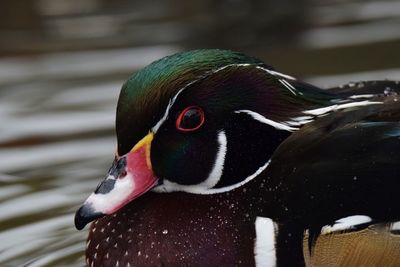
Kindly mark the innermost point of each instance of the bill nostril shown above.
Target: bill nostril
(121, 163)
(105, 186)
(122, 174)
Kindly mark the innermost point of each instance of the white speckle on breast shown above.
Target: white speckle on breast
(88, 243)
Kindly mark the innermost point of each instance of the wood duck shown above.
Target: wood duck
(223, 161)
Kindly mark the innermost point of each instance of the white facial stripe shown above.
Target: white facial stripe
(211, 181)
(231, 65)
(262, 119)
(106, 203)
(272, 72)
(302, 118)
(325, 110)
(346, 223)
(172, 101)
(264, 245)
(320, 111)
(288, 86)
(299, 121)
(275, 73)
(165, 117)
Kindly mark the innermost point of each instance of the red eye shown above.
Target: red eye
(190, 119)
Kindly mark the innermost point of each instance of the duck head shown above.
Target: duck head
(201, 122)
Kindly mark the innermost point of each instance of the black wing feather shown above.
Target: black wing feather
(344, 164)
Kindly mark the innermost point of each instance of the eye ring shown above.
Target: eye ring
(190, 119)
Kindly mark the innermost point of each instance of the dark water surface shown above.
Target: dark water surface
(57, 109)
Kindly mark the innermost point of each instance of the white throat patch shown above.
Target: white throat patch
(212, 179)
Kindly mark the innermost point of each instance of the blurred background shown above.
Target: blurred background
(62, 63)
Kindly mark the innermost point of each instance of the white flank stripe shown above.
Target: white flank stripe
(264, 246)
(361, 96)
(395, 226)
(346, 223)
(262, 119)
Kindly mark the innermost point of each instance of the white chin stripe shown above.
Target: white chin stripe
(170, 186)
(212, 179)
(264, 245)
(347, 223)
(109, 202)
(216, 172)
(206, 187)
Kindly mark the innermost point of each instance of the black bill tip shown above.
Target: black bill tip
(85, 215)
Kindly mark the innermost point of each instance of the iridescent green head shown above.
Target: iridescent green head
(145, 95)
(202, 122)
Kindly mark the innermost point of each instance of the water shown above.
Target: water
(57, 109)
